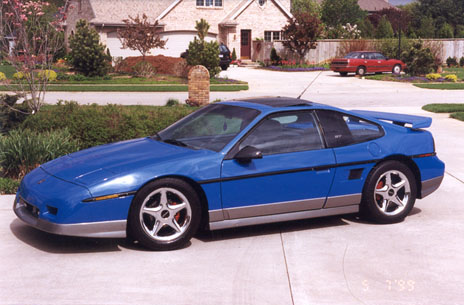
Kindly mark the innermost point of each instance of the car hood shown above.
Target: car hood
(106, 161)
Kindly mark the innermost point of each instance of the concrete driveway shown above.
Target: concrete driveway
(334, 260)
(328, 88)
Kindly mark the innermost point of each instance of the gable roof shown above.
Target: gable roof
(371, 5)
(115, 11)
(230, 19)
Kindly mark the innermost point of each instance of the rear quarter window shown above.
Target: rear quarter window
(341, 129)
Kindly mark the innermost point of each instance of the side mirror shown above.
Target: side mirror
(248, 153)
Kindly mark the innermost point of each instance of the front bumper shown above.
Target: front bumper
(108, 229)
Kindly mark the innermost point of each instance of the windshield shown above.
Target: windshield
(211, 127)
(353, 55)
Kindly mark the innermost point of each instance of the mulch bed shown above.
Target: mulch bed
(163, 64)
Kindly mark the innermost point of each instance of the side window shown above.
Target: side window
(341, 129)
(285, 133)
(379, 56)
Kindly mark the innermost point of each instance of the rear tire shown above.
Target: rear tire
(165, 214)
(389, 193)
(224, 67)
(361, 71)
(343, 73)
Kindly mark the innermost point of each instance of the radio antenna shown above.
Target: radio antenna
(299, 96)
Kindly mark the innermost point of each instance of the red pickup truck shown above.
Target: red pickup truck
(362, 62)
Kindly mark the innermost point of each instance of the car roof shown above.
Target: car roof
(271, 103)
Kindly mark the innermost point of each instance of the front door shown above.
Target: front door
(245, 43)
(294, 174)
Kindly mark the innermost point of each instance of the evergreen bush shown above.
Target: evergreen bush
(87, 54)
(204, 53)
(418, 59)
(275, 58)
(451, 62)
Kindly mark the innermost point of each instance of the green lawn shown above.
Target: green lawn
(8, 70)
(442, 86)
(133, 88)
(444, 108)
(458, 71)
(456, 110)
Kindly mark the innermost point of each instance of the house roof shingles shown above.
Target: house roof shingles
(115, 11)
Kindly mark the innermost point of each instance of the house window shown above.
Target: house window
(209, 3)
(262, 2)
(272, 35)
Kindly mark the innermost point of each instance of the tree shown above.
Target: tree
(308, 6)
(445, 31)
(141, 35)
(427, 28)
(399, 19)
(301, 33)
(87, 53)
(384, 29)
(37, 38)
(340, 12)
(201, 52)
(367, 28)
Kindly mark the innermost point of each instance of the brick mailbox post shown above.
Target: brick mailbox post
(198, 86)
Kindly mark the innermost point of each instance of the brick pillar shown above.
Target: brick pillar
(198, 86)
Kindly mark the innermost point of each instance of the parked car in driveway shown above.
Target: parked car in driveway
(362, 62)
(237, 163)
(224, 56)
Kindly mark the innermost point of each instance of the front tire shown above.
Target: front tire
(389, 193)
(396, 69)
(165, 214)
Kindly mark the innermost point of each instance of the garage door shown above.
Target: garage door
(177, 42)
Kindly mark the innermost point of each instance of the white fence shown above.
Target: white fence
(328, 49)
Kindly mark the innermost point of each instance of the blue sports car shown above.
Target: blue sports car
(237, 163)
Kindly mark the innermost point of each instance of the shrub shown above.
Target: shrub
(144, 69)
(347, 46)
(275, 58)
(419, 59)
(204, 53)
(50, 75)
(451, 77)
(18, 75)
(433, 76)
(87, 53)
(9, 118)
(389, 47)
(23, 150)
(461, 61)
(2, 76)
(451, 61)
(94, 125)
(172, 102)
(8, 186)
(234, 55)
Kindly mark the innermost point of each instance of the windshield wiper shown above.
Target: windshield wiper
(175, 142)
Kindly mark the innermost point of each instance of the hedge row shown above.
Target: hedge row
(94, 125)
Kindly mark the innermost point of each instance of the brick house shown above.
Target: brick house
(233, 22)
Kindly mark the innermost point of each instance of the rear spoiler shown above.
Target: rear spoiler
(398, 119)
